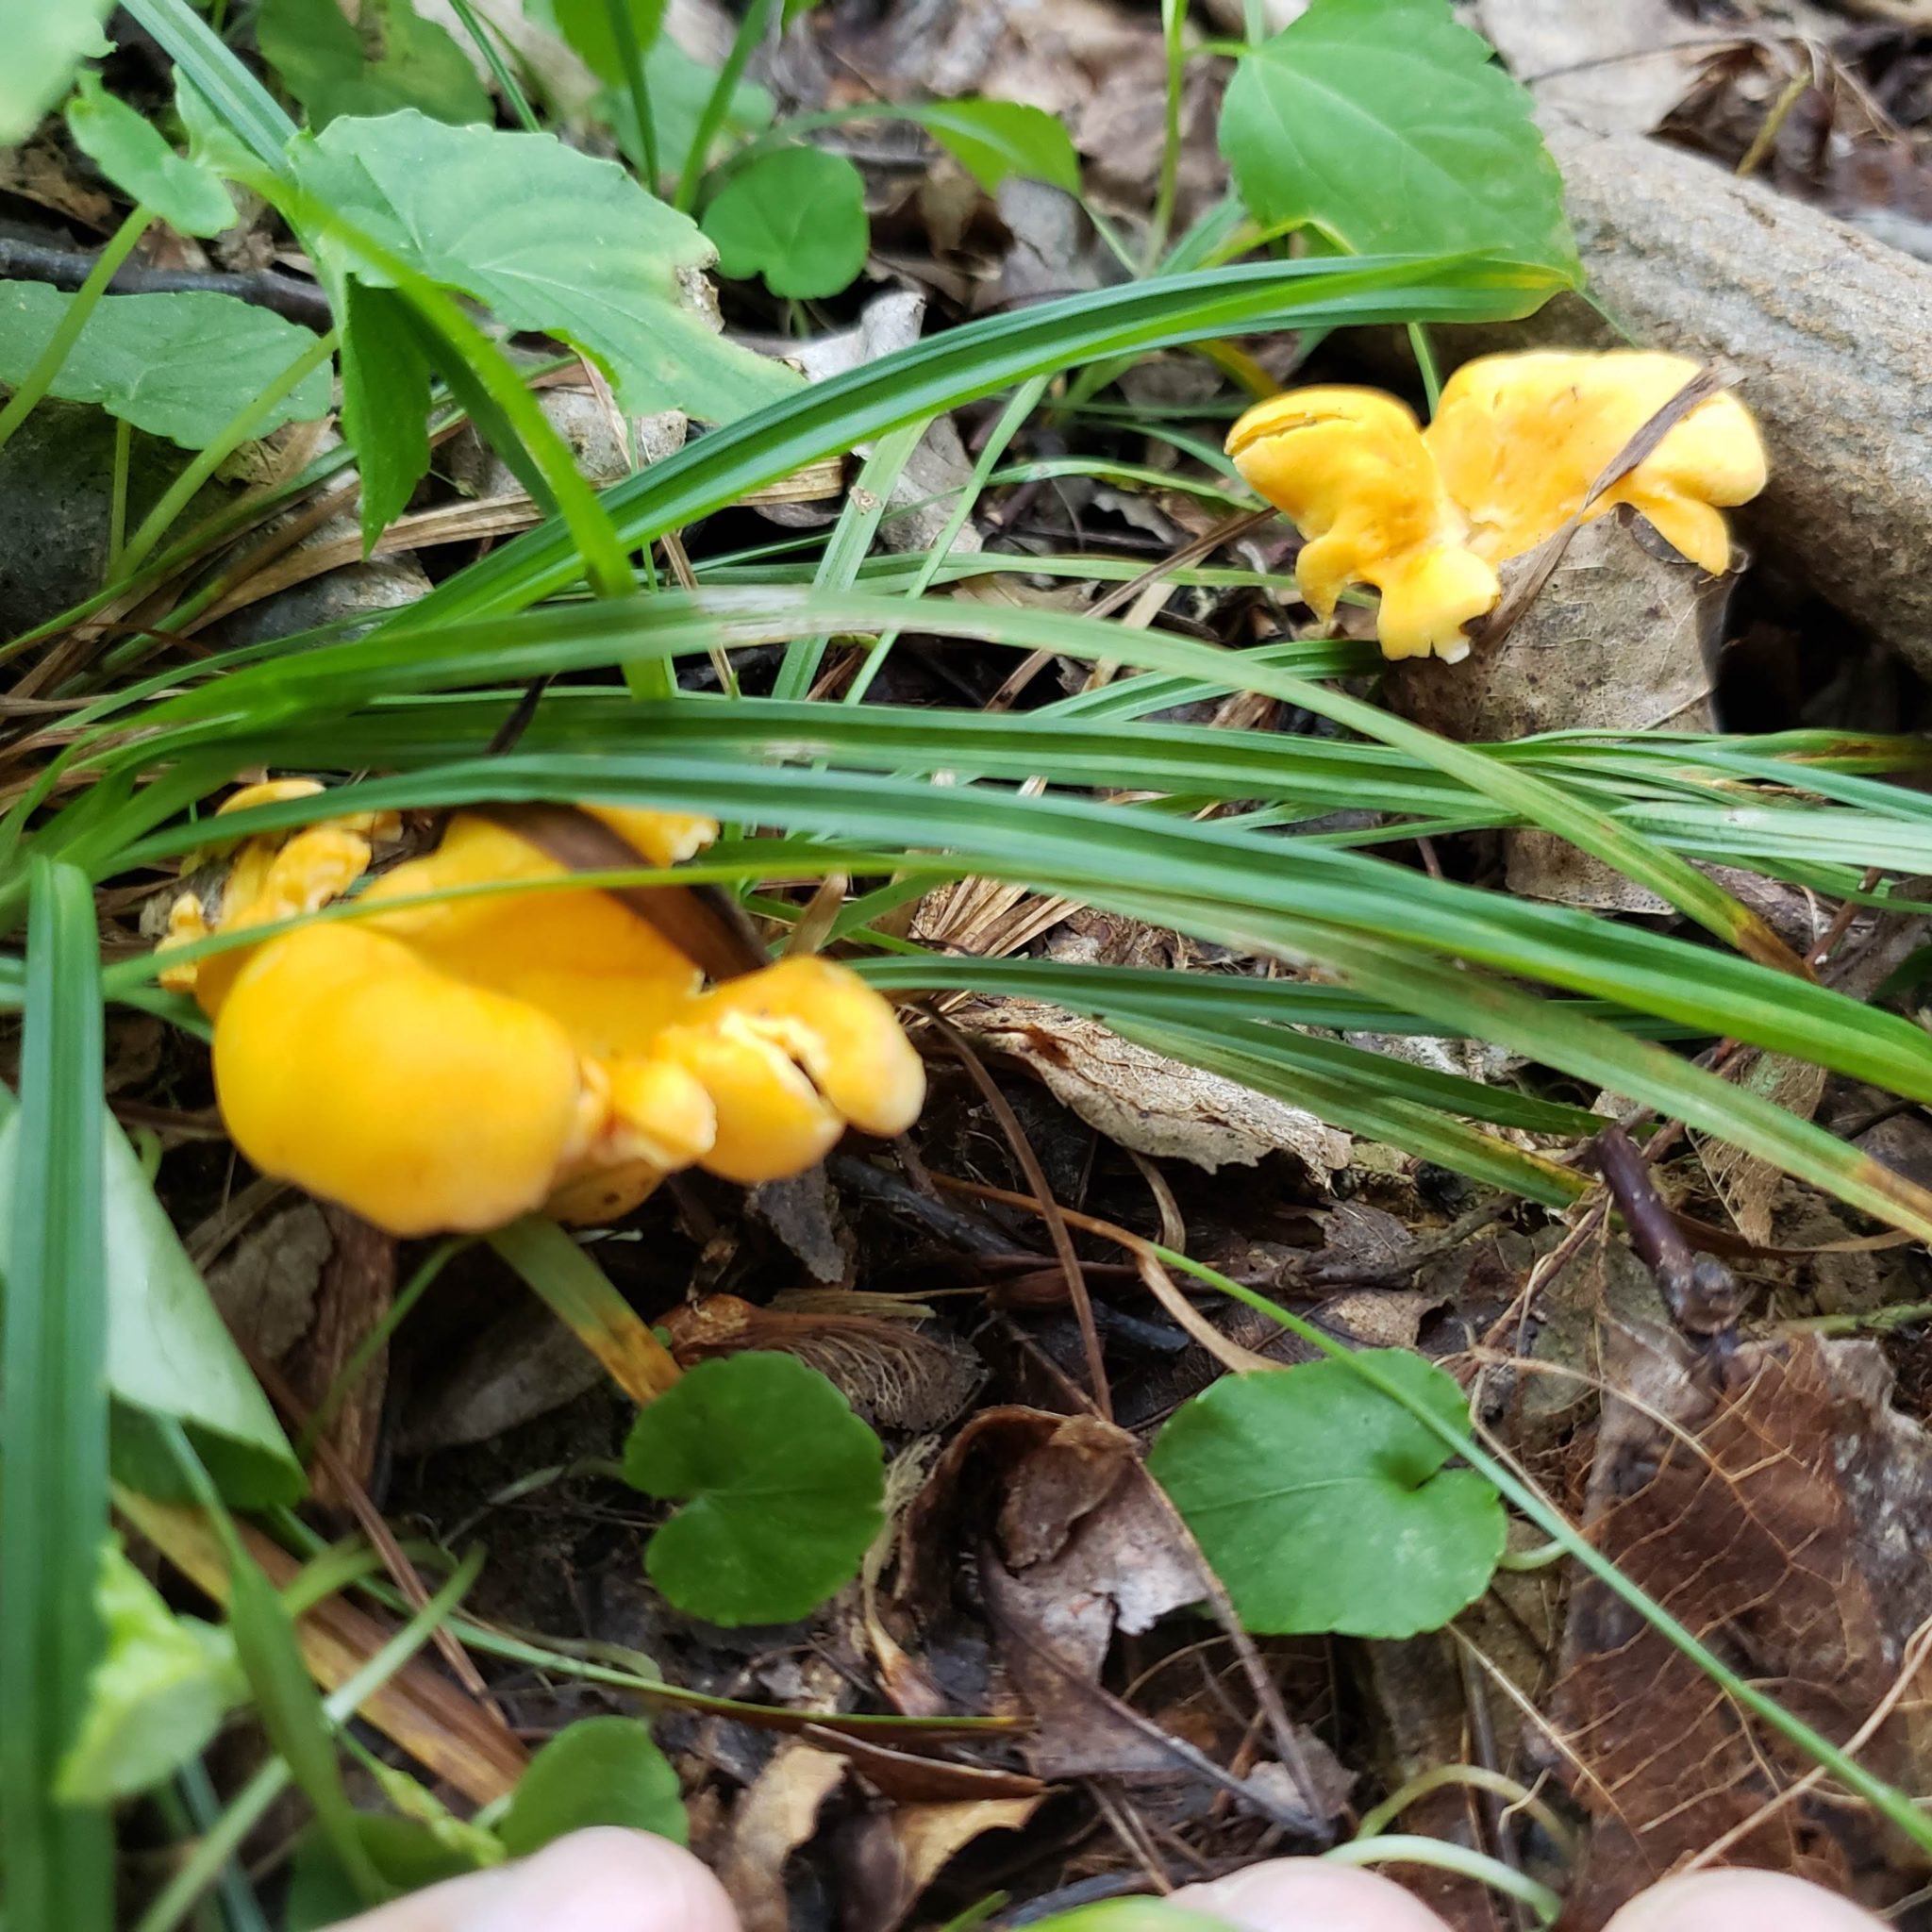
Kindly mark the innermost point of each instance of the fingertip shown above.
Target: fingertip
(1309, 1895)
(1739, 1902)
(606, 1879)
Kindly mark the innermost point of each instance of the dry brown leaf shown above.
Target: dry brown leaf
(1776, 1506)
(522, 1364)
(909, 1777)
(891, 1857)
(266, 1286)
(1140, 1099)
(1620, 68)
(773, 1818)
(894, 1374)
(442, 1729)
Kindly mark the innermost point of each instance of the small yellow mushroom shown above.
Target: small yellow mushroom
(453, 1064)
(1350, 467)
(1426, 515)
(1519, 440)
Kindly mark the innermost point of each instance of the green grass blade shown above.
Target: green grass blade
(961, 365)
(247, 108)
(60, 1863)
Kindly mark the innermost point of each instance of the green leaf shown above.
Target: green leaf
(782, 1486)
(393, 59)
(133, 155)
(385, 399)
(600, 1770)
(292, 1713)
(1324, 1504)
(53, 1422)
(169, 1353)
(45, 40)
(178, 366)
(586, 24)
(1386, 125)
(993, 139)
(551, 240)
(797, 217)
(157, 1696)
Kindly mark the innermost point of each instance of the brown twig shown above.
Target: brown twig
(1703, 1295)
(1047, 1208)
(67, 268)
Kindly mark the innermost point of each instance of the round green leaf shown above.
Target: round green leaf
(1322, 1504)
(133, 155)
(784, 1487)
(601, 1771)
(797, 217)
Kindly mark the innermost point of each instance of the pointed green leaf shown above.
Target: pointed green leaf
(551, 240)
(993, 139)
(385, 401)
(133, 155)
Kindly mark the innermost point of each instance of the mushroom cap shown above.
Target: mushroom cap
(456, 1063)
(1321, 456)
(346, 1063)
(1520, 439)
(608, 975)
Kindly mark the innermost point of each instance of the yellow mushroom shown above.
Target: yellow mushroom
(453, 1064)
(1350, 467)
(1426, 515)
(1519, 440)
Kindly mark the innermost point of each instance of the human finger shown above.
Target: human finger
(1739, 1902)
(1311, 1895)
(601, 1880)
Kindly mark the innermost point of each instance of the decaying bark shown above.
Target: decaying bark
(1623, 637)
(1827, 329)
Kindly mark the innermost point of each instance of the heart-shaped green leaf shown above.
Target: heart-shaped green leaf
(1322, 1504)
(600, 1770)
(782, 1486)
(1388, 126)
(797, 217)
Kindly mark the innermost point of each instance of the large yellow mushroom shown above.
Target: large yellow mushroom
(450, 1065)
(1518, 442)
